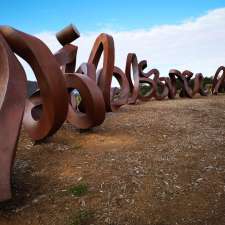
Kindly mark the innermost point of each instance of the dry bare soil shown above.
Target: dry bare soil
(158, 163)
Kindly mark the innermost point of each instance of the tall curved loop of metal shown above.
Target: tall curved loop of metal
(218, 81)
(104, 44)
(134, 85)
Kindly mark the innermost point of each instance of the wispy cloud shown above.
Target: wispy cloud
(197, 44)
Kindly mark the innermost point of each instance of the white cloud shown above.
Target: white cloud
(197, 44)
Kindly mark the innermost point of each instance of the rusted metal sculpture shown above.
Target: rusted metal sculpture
(160, 90)
(185, 80)
(45, 111)
(92, 99)
(12, 104)
(91, 112)
(168, 84)
(152, 91)
(13, 95)
(121, 98)
(134, 87)
(218, 82)
(104, 44)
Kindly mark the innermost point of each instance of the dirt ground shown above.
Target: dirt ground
(156, 163)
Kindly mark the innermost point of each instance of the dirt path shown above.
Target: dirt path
(158, 163)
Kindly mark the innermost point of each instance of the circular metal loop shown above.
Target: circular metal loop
(50, 81)
(151, 94)
(92, 100)
(218, 82)
(121, 98)
(134, 87)
(104, 44)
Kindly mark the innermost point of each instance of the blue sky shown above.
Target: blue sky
(35, 16)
